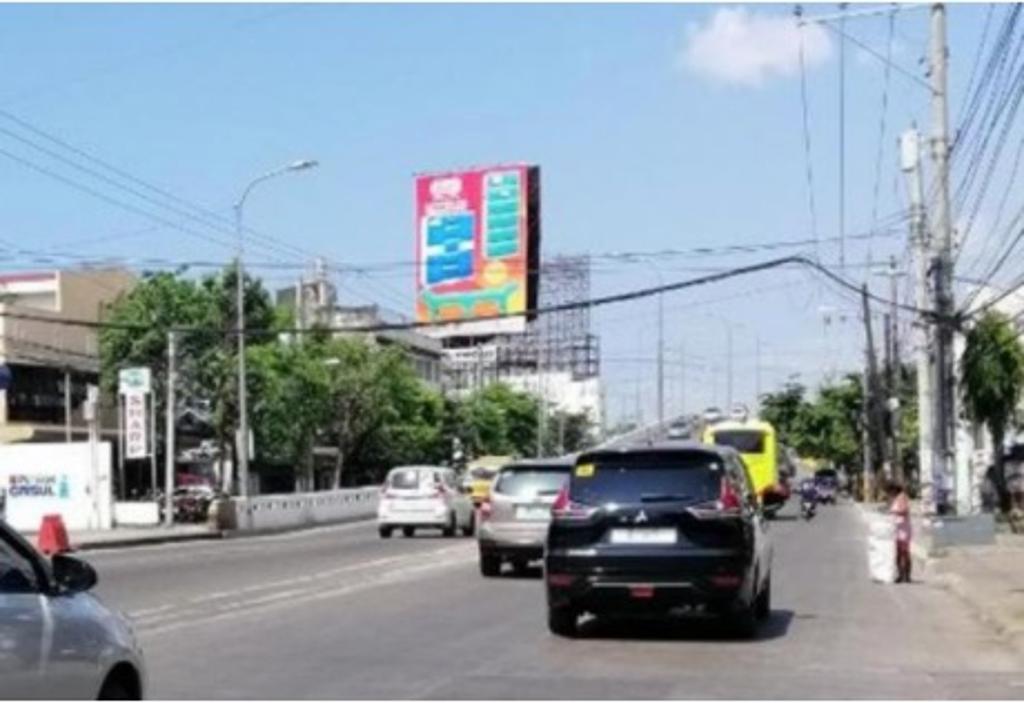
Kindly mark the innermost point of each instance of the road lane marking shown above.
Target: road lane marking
(164, 614)
(303, 596)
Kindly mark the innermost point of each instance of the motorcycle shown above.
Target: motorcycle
(808, 507)
(808, 499)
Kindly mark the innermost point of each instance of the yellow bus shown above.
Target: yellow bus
(758, 444)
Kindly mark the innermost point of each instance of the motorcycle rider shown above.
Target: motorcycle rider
(808, 496)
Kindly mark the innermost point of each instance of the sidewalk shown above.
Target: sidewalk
(989, 579)
(134, 536)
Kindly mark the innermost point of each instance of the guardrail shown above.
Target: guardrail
(289, 510)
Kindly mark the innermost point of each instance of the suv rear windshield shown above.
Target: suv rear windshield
(405, 478)
(644, 478)
(825, 473)
(743, 441)
(528, 481)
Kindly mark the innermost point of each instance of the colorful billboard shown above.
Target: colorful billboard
(477, 248)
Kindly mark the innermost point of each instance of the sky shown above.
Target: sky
(656, 127)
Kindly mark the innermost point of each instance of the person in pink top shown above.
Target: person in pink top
(899, 508)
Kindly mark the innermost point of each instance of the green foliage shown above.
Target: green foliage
(827, 428)
(992, 378)
(361, 400)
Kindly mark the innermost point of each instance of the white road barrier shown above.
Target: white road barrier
(288, 510)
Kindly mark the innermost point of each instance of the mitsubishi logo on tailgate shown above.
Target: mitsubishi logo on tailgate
(640, 517)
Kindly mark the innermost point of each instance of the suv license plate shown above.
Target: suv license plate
(643, 535)
(532, 512)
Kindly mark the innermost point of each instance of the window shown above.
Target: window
(636, 478)
(16, 572)
(744, 441)
(530, 481)
(405, 478)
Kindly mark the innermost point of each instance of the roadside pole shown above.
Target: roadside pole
(910, 162)
(169, 449)
(943, 261)
(67, 404)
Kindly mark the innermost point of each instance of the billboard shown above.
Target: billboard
(477, 248)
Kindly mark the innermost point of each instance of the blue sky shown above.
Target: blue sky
(642, 147)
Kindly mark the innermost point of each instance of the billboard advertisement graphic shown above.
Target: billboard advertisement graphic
(477, 236)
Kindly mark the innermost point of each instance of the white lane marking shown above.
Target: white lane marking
(152, 616)
(305, 596)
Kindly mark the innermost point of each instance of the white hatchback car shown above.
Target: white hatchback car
(424, 496)
(58, 641)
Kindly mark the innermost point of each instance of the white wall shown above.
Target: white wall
(287, 510)
(563, 393)
(45, 478)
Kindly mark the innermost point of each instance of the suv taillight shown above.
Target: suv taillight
(728, 498)
(727, 505)
(565, 509)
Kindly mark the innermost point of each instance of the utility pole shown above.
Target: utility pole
(943, 260)
(67, 404)
(757, 374)
(172, 380)
(661, 359)
(874, 450)
(728, 387)
(682, 378)
(893, 369)
(842, 138)
(910, 162)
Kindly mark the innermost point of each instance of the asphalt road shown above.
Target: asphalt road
(340, 613)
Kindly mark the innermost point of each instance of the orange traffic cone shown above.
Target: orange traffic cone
(53, 537)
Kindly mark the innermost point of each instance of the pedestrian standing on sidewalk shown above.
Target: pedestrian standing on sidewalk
(899, 508)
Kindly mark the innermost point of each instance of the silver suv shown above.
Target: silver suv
(513, 523)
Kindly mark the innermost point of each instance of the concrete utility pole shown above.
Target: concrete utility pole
(67, 404)
(910, 162)
(893, 370)
(943, 259)
(172, 381)
(874, 449)
(661, 358)
(728, 387)
(757, 374)
(682, 378)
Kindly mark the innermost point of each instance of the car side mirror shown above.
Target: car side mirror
(72, 575)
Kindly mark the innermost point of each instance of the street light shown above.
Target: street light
(243, 415)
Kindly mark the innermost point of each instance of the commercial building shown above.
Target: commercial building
(49, 363)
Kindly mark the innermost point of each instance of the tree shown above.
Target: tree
(992, 373)
(786, 411)
(366, 386)
(291, 404)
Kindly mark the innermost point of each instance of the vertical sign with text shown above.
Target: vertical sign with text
(136, 426)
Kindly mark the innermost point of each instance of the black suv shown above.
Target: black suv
(655, 529)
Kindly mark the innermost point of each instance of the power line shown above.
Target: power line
(882, 121)
(600, 301)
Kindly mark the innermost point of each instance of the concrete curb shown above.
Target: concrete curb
(154, 539)
(144, 541)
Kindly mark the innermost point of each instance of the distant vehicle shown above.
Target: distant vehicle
(514, 521)
(656, 528)
(827, 483)
(57, 640)
(481, 474)
(756, 442)
(678, 430)
(415, 497)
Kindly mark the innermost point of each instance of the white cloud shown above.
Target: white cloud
(737, 46)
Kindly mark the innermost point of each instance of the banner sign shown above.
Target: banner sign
(136, 426)
(135, 380)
